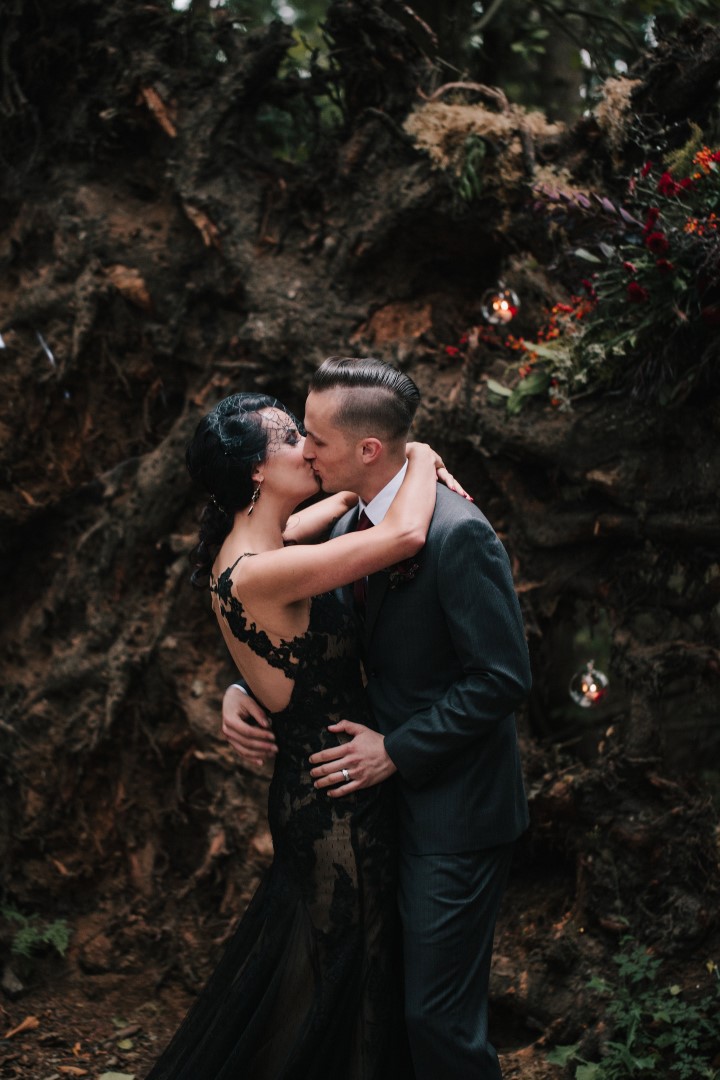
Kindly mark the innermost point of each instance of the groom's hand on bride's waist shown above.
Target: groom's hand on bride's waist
(360, 762)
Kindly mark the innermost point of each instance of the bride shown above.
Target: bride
(310, 985)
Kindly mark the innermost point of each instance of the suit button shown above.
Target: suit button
(372, 673)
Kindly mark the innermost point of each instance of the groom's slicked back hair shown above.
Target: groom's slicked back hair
(377, 399)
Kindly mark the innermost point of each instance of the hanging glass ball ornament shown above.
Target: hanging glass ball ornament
(588, 687)
(499, 305)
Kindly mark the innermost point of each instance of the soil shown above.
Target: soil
(175, 226)
(88, 1024)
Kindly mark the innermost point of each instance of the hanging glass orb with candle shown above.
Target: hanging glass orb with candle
(589, 686)
(499, 305)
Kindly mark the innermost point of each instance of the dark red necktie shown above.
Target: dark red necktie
(360, 587)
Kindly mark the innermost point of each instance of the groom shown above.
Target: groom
(446, 663)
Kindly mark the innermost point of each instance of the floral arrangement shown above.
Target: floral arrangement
(646, 317)
(402, 572)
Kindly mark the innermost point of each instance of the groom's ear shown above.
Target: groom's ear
(370, 450)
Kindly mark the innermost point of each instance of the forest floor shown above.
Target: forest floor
(122, 1032)
(121, 1029)
(71, 1023)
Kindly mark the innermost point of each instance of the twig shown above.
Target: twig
(492, 92)
(389, 123)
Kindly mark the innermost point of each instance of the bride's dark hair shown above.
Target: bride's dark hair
(227, 445)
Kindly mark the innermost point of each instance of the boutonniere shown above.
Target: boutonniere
(402, 572)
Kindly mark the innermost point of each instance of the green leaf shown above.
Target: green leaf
(583, 1072)
(583, 253)
(536, 383)
(562, 1054)
(545, 352)
(497, 388)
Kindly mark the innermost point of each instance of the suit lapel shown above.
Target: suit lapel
(346, 524)
(377, 587)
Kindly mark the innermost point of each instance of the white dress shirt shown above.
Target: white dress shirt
(378, 507)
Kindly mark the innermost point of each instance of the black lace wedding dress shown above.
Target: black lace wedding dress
(310, 985)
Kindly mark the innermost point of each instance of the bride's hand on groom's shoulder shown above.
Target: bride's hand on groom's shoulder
(444, 477)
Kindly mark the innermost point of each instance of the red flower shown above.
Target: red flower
(686, 184)
(664, 266)
(452, 350)
(630, 267)
(715, 156)
(652, 215)
(589, 288)
(646, 168)
(666, 185)
(657, 243)
(637, 294)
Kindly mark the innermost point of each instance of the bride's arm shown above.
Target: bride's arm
(315, 522)
(294, 573)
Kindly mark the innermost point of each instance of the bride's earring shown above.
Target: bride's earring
(254, 499)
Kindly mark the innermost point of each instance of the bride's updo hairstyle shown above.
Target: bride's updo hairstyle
(227, 445)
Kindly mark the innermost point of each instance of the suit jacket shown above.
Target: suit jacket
(446, 663)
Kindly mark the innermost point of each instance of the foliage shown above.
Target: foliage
(508, 43)
(307, 105)
(33, 933)
(512, 42)
(647, 317)
(470, 182)
(655, 1030)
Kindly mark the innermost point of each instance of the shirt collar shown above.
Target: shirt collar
(378, 507)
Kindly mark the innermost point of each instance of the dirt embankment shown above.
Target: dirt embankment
(175, 226)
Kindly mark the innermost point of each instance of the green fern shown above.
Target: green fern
(470, 183)
(34, 933)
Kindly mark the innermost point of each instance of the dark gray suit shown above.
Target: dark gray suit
(446, 663)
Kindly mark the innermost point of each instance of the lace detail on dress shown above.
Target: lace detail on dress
(310, 984)
(286, 655)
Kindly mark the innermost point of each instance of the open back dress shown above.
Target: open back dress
(310, 985)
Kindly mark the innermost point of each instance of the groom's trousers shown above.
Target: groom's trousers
(448, 908)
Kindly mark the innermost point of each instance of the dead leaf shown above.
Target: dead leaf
(27, 497)
(71, 1070)
(28, 1024)
(527, 586)
(159, 109)
(207, 228)
(130, 284)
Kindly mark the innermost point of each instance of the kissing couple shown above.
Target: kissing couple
(381, 650)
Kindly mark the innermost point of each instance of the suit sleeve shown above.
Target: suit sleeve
(485, 625)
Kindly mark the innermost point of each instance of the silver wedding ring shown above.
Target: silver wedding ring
(346, 775)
